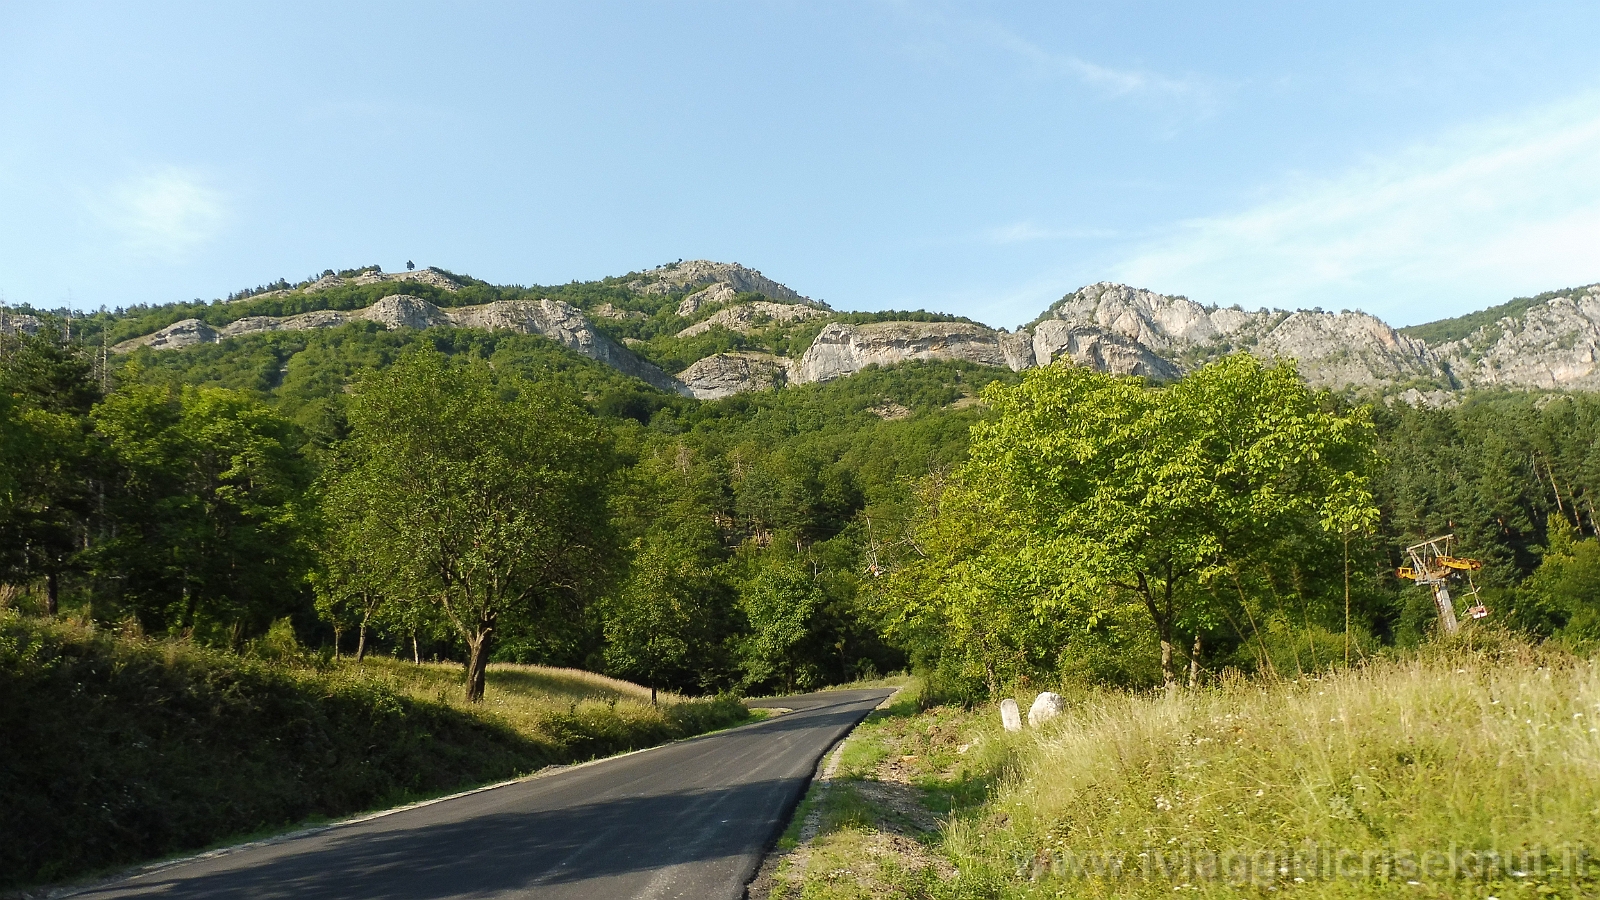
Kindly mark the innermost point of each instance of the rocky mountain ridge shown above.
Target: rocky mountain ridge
(554, 319)
(703, 273)
(1554, 343)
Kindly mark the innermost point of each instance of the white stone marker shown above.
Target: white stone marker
(1009, 716)
(1045, 707)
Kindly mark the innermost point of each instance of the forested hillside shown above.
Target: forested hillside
(746, 543)
(192, 492)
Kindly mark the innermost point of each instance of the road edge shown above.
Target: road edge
(60, 891)
(759, 886)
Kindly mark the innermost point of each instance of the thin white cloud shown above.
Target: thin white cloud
(1029, 232)
(948, 36)
(1470, 219)
(164, 214)
(1113, 81)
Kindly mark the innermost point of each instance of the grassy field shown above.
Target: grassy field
(117, 750)
(1459, 772)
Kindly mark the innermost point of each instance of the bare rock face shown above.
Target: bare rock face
(430, 276)
(18, 323)
(1017, 348)
(405, 311)
(1349, 350)
(554, 319)
(565, 324)
(726, 374)
(721, 292)
(701, 272)
(610, 311)
(747, 317)
(1553, 345)
(1332, 349)
(1155, 320)
(842, 350)
(1436, 399)
(176, 336)
(1098, 349)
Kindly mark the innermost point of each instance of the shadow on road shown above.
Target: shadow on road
(633, 816)
(489, 853)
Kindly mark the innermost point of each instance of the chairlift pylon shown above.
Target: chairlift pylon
(1433, 564)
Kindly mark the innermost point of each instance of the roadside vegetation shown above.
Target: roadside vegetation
(1466, 770)
(120, 748)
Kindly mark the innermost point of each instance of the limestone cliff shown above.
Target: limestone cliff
(747, 317)
(703, 272)
(429, 276)
(1338, 350)
(725, 374)
(721, 292)
(1550, 341)
(842, 350)
(1098, 349)
(554, 319)
(1554, 344)
(18, 323)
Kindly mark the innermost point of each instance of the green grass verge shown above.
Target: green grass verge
(1463, 770)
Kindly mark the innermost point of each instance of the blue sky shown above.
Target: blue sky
(1416, 160)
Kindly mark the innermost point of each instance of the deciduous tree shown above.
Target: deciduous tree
(490, 492)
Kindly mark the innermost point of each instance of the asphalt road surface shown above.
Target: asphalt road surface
(690, 819)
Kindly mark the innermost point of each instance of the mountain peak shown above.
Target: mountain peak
(701, 273)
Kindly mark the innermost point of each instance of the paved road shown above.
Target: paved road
(690, 820)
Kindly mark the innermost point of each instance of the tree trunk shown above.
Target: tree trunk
(1346, 604)
(1194, 662)
(652, 692)
(477, 663)
(361, 642)
(52, 593)
(338, 634)
(1163, 623)
(416, 652)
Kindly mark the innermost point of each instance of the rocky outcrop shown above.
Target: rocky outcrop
(1154, 320)
(429, 276)
(1352, 349)
(1017, 348)
(185, 333)
(1552, 341)
(726, 374)
(18, 323)
(616, 313)
(698, 273)
(842, 350)
(721, 292)
(1555, 344)
(1338, 350)
(554, 319)
(747, 317)
(1098, 349)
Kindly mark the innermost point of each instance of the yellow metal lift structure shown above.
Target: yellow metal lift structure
(1433, 565)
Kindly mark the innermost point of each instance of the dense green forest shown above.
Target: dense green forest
(354, 483)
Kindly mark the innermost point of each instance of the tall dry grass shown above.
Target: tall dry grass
(1377, 777)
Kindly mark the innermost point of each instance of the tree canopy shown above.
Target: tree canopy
(1086, 490)
(488, 491)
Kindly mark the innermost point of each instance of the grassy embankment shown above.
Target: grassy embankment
(1457, 772)
(116, 750)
